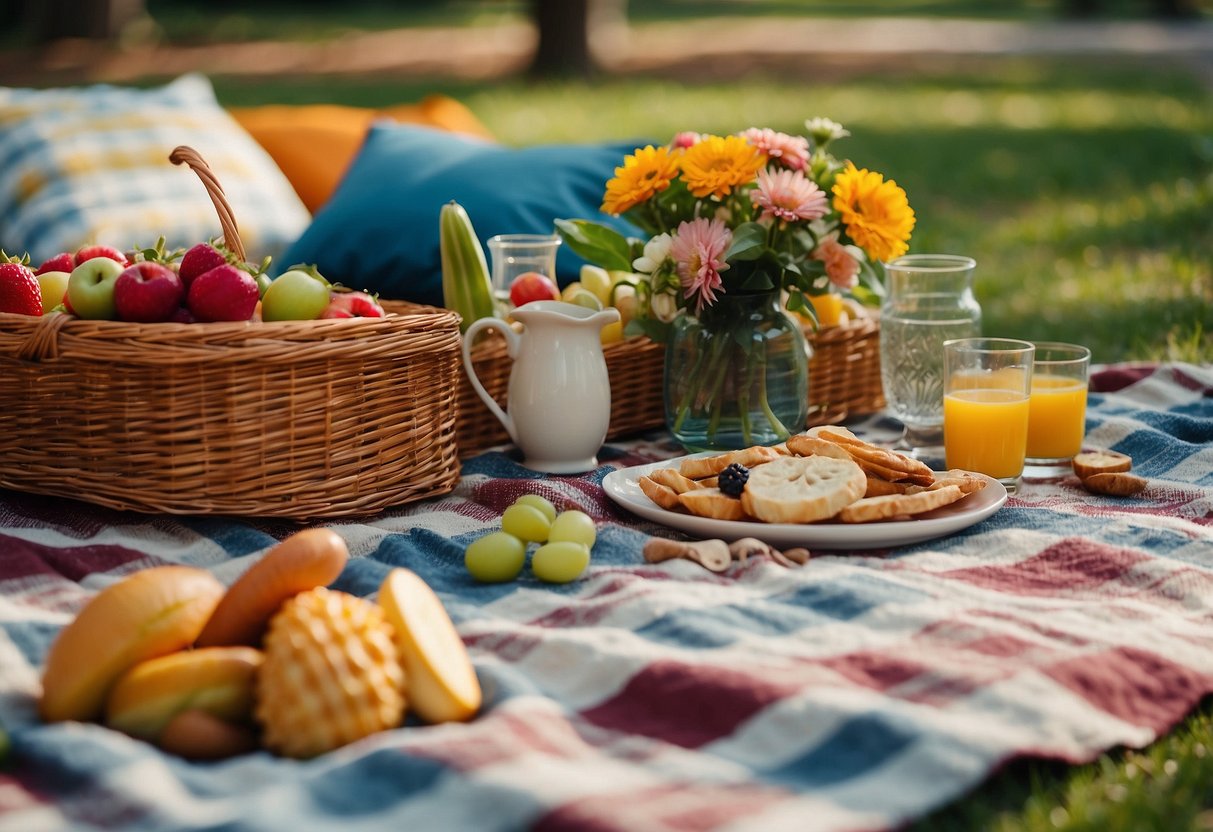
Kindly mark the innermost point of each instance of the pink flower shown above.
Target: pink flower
(789, 195)
(841, 267)
(699, 247)
(685, 139)
(791, 152)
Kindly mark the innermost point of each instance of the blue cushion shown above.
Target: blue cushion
(90, 165)
(379, 231)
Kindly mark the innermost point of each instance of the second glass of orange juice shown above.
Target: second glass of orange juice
(1058, 408)
(987, 383)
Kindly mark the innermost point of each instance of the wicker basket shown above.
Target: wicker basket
(844, 380)
(305, 419)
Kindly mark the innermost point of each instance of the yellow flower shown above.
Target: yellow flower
(645, 173)
(876, 213)
(714, 165)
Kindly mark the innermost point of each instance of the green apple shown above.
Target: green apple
(596, 280)
(90, 288)
(54, 287)
(295, 295)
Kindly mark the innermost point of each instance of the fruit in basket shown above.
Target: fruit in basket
(466, 286)
(64, 261)
(19, 289)
(442, 683)
(532, 286)
(147, 292)
(54, 288)
(596, 280)
(218, 680)
(225, 293)
(109, 252)
(90, 288)
(151, 613)
(347, 304)
(298, 294)
(200, 259)
(332, 674)
(302, 561)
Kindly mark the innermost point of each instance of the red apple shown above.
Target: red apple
(147, 293)
(223, 294)
(530, 286)
(90, 252)
(63, 262)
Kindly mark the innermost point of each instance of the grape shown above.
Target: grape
(526, 523)
(561, 562)
(496, 557)
(576, 526)
(541, 503)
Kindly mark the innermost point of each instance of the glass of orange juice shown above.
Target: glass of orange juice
(1057, 410)
(987, 384)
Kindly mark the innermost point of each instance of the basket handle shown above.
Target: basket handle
(184, 154)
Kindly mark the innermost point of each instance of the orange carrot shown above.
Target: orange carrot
(303, 561)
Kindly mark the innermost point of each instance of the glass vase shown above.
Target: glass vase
(928, 300)
(736, 374)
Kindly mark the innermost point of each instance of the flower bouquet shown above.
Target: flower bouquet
(740, 228)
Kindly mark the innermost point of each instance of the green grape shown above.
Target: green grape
(526, 523)
(541, 503)
(574, 525)
(561, 562)
(496, 557)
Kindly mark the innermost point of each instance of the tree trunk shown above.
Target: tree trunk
(569, 31)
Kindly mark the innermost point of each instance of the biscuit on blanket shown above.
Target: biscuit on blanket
(1115, 483)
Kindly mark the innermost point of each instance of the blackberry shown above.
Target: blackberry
(732, 479)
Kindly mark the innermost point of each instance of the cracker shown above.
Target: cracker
(662, 495)
(1100, 462)
(697, 468)
(802, 489)
(1115, 483)
(899, 506)
(673, 480)
(879, 487)
(802, 444)
(714, 503)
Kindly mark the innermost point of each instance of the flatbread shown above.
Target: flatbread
(802, 489)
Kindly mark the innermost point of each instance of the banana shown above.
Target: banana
(466, 287)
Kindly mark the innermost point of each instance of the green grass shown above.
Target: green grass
(1084, 190)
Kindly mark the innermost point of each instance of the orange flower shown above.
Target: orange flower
(714, 165)
(644, 174)
(876, 213)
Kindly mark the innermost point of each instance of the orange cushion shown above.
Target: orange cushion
(313, 144)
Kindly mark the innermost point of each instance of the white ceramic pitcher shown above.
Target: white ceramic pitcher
(559, 392)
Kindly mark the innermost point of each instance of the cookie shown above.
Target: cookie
(899, 506)
(1100, 462)
(662, 495)
(802, 489)
(1115, 483)
(714, 503)
(697, 468)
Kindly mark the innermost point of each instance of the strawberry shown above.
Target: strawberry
(200, 259)
(19, 289)
(346, 304)
(89, 252)
(63, 262)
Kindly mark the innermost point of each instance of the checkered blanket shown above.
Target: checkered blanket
(858, 692)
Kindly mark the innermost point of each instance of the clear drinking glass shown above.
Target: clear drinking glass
(929, 300)
(513, 255)
(987, 382)
(1057, 411)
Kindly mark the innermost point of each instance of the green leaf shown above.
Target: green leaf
(758, 282)
(653, 328)
(749, 242)
(596, 243)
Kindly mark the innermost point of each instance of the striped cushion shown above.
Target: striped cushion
(90, 164)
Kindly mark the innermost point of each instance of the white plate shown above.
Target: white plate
(623, 486)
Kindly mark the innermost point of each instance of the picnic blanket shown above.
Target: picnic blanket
(857, 692)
